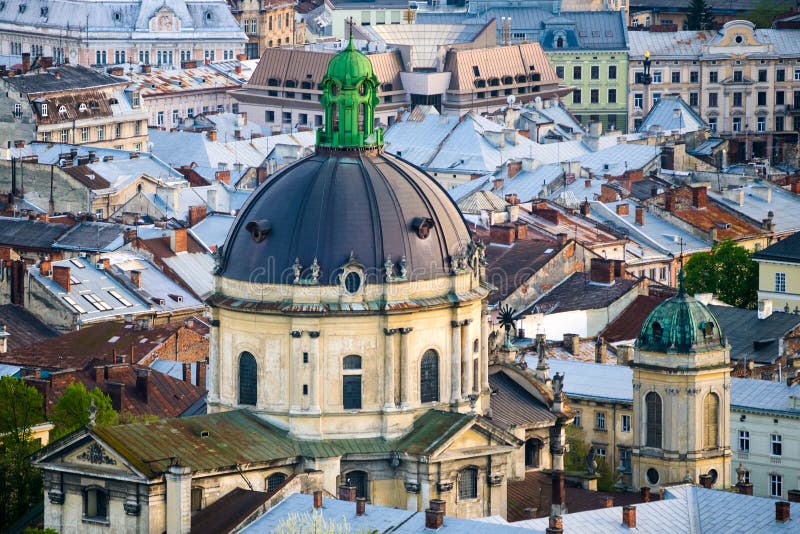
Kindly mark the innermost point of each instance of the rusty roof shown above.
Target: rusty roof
(160, 82)
(497, 62)
(78, 105)
(727, 224)
(226, 513)
(165, 396)
(512, 405)
(535, 491)
(86, 176)
(627, 324)
(24, 328)
(93, 344)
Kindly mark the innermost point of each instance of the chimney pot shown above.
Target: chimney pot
(187, 372)
(440, 505)
(61, 276)
(572, 342)
(317, 499)
(783, 511)
(609, 501)
(361, 506)
(629, 516)
(555, 525)
(136, 278)
(645, 491)
(433, 519)
(639, 215)
(600, 351)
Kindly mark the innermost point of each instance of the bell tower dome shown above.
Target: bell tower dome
(681, 396)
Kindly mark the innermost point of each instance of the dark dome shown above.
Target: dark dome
(336, 205)
(681, 324)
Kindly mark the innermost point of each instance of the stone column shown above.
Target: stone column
(214, 363)
(388, 370)
(296, 367)
(179, 499)
(455, 372)
(315, 381)
(405, 368)
(466, 360)
(484, 365)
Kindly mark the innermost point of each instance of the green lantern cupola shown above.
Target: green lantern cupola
(349, 97)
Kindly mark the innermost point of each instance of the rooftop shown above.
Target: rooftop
(627, 325)
(212, 230)
(27, 234)
(512, 405)
(92, 237)
(508, 267)
(62, 78)
(671, 113)
(578, 292)
(765, 396)
(23, 327)
(589, 380)
(754, 339)
(787, 249)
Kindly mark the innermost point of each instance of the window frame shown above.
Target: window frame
(625, 423)
(600, 420)
(654, 431)
(97, 491)
(775, 485)
(429, 377)
(468, 483)
(247, 390)
(780, 282)
(744, 441)
(776, 445)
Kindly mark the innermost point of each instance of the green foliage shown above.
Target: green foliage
(71, 412)
(700, 17)
(763, 12)
(127, 418)
(20, 484)
(575, 457)
(39, 531)
(606, 473)
(727, 271)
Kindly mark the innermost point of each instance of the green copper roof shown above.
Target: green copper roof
(349, 97)
(681, 324)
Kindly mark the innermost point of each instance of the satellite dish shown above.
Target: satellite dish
(511, 99)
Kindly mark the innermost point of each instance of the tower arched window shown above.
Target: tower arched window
(248, 379)
(654, 420)
(334, 117)
(360, 480)
(711, 421)
(351, 382)
(468, 483)
(560, 42)
(533, 448)
(429, 377)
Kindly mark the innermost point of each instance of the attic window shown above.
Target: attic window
(707, 328)
(62, 110)
(273, 82)
(117, 16)
(82, 108)
(259, 230)
(43, 11)
(476, 71)
(93, 104)
(422, 226)
(204, 433)
(658, 331)
(209, 16)
(22, 8)
(112, 101)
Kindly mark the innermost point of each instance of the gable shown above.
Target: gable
(86, 453)
(479, 436)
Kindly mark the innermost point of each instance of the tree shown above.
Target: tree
(20, 483)
(71, 412)
(763, 12)
(700, 17)
(727, 271)
(575, 458)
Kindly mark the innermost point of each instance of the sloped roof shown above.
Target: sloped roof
(673, 114)
(24, 328)
(497, 62)
(577, 292)
(787, 249)
(92, 236)
(764, 396)
(628, 324)
(480, 201)
(510, 266)
(512, 405)
(27, 234)
(72, 77)
(227, 512)
(751, 338)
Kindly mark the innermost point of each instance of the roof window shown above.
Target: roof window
(22, 8)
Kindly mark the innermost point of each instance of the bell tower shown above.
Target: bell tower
(681, 396)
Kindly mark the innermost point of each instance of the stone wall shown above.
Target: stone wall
(69, 195)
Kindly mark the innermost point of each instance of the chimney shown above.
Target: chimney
(669, 201)
(586, 208)
(559, 495)
(587, 183)
(223, 176)
(196, 214)
(104, 263)
(502, 234)
(178, 241)
(783, 511)
(562, 239)
(361, 505)
(624, 354)
(46, 62)
(128, 235)
(700, 196)
(116, 390)
(61, 276)
(201, 375)
(529, 513)
(317, 499)
(179, 498)
(439, 505)
(143, 382)
(237, 134)
(241, 57)
(347, 493)
(187, 372)
(136, 278)
(706, 481)
(261, 175)
(608, 194)
(619, 269)
(513, 168)
(794, 495)
(795, 188)
(433, 519)
(764, 308)
(645, 492)
(629, 516)
(600, 351)
(26, 62)
(572, 342)
(640, 215)
(57, 74)
(237, 69)
(747, 489)
(623, 209)
(601, 271)
(46, 267)
(555, 525)
(19, 143)
(212, 136)
(609, 502)
(497, 183)
(512, 199)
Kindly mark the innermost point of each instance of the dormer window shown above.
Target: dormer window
(17, 110)
(22, 8)
(82, 108)
(93, 104)
(43, 11)
(208, 16)
(658, 331)
(62, 110)
(117, 16)
(44, 110)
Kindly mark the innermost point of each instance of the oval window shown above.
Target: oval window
(652, 476)
(714, 476)
(352, 282)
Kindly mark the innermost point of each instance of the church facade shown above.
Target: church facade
(349, 350)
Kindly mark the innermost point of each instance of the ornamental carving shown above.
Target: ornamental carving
(412, 487)
(495, 479)
(94, 454)
(445, 486)
(56, 496)
(131, 508)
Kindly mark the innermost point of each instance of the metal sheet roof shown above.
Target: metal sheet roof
(512, 405)
(592, 380)
(764, 396)
(25, 233)
(754, 339)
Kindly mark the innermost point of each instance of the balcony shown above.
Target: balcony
(776, 460)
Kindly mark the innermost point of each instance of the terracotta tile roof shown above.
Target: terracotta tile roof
(497, 62)
(228, 512)
(24, 328)
(628, 323)
(535, 491)
(163, 395)
(728, 225)
(510, 266)
(94, 344)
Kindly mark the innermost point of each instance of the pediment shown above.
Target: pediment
(85, 452)
(164, 20)
(479, 436)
